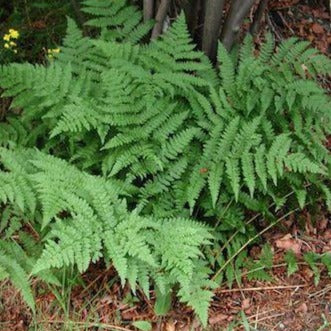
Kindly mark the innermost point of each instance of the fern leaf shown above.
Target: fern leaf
(233, 172)
(215, 178)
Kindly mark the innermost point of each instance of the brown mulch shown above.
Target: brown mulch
(305, 19)
(286, 303)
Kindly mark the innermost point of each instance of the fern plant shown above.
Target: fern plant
(151, 137)
(98, 224)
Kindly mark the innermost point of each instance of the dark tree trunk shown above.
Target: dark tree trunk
(258, 16)
(211, 28)
(160, 17)
(148, 9)
(238, 11)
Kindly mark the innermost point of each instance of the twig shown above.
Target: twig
(255, 27)
(285, 23)
(88, 324)
(270, 317)
(320, 292)
(274, 30)
(266, 288)
(160, 17)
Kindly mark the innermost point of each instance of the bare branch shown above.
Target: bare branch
(211, 28)
(160, 17)
(238, 11)
(255, 27)
(148, 10)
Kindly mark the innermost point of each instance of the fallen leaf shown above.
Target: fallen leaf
(246, 303)
(303, 308)
(217, 318)
(323, 223)
(327, 234)
(170, 326)
(317, 28)
(289, 243)
(307, 273)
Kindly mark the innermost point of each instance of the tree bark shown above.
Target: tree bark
(258, 16)
(238, 11)
(191, 9)
(160, 17)
(211, 28)
(79, 15)
(148, 10)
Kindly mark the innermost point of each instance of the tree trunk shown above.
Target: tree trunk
(238, 11)
(211, 28)
(148, 9)
(160, 17)
(258, 16)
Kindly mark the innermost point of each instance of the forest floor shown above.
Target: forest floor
(291, 303)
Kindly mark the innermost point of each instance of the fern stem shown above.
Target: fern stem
(252, 219)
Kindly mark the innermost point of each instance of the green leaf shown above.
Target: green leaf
(214, 181)
(301, 196)
(162, 303)
(311, 258)
(326, 260)
(233, 172)
(291, 261)
(143, 325)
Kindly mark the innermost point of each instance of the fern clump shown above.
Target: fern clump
(99, 224)
(143, 148)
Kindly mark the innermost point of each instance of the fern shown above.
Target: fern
(162, 143)
(291, 261)
(100, 225)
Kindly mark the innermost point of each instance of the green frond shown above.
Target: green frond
(12, 270)
(233, 172)
(248, 171)
(215, 178)
(276, 155)
(298, 162)
(267, 48)
(227, 71)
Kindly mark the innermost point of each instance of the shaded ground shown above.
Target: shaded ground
(286, 303)
(305, 19)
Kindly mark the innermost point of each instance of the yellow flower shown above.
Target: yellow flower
(14, 33)
(52, 52)
(15, 51)
(6, 37)
(12, 43)
(6, 45)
